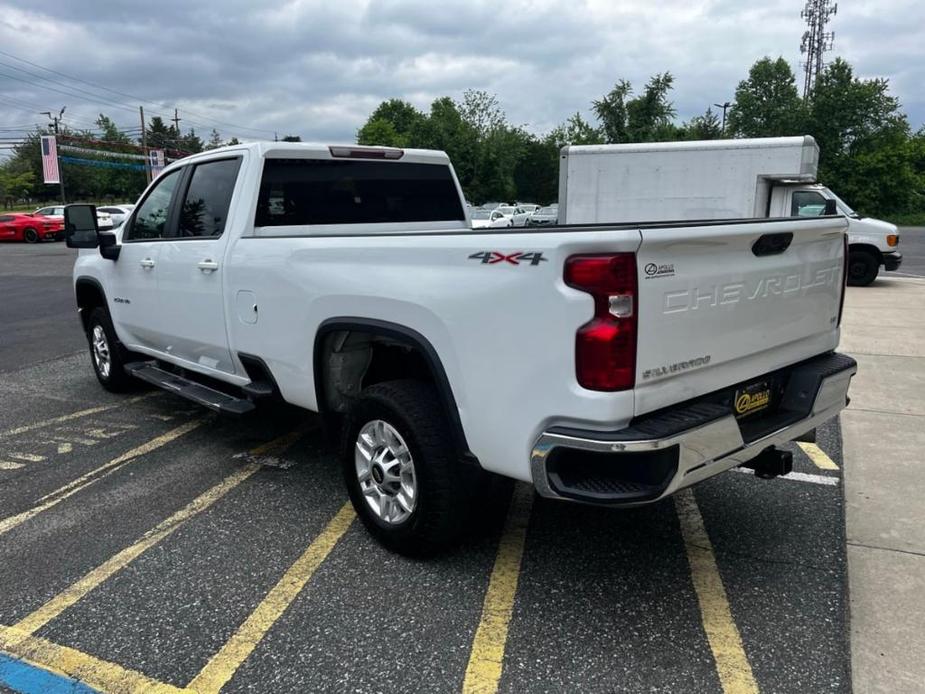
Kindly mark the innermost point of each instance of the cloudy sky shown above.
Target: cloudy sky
(317, 68)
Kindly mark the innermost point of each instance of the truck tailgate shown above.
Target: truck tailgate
(724, 304)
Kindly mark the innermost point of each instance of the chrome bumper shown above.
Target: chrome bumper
(702, 451)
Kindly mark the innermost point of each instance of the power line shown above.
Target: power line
(206, 118)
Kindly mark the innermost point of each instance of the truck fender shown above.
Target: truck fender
(89, 294)
(404, 335)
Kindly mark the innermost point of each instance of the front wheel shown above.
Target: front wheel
(863, 268)
(30, 235)
(404, 479)
(106, 353)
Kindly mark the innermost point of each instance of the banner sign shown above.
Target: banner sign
(102, 164)
(50, 159)
(156, 161)
(101, 152)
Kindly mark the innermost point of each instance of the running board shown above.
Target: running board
(189, 389)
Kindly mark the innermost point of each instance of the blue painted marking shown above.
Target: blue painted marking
(31, 679)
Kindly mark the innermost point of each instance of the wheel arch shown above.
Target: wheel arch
(393, 333)
(89, 294)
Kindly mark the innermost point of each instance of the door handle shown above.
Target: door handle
(147, 263)
(207, 265)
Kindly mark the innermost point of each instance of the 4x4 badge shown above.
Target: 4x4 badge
(516, 258)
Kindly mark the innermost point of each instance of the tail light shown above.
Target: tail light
(844, 278)
(605, 346)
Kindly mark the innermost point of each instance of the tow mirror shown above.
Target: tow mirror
(80, 227)
(831, 207)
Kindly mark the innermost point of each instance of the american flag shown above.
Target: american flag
(50, 159)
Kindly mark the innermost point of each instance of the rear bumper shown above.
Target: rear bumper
(676, 448)
(892, 261)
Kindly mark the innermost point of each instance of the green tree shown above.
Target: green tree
(379, 131)
(612, 114)
(160, 135)
(190, 142)
(444, 128)
(404, 118)
(577, 131)
(705, 127)
(15, 185)
(767, 103)
(868, 153)
(215, 140)
(649, 116)
(292, 138)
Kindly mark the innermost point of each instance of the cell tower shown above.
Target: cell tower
(816, 40)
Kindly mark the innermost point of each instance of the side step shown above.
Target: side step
(189, 389)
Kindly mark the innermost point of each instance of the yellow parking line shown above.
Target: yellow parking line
(86, 480)
(73, 415)
(76, 591)
(818, 456)
(95, 672)
(732, 666)
(222, 666)
(486, 660)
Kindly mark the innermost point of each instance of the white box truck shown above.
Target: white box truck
(715, 179)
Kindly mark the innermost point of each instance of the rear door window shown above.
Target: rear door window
(319, 191)
(208, 197)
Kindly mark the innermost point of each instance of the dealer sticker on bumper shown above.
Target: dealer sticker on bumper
(752, 398)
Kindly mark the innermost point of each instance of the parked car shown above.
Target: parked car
(103, 219)
(491, 205)
(30, 228)
(527, 206)
(117, 212)
(482, 219)
(417, 339)
(545, 216)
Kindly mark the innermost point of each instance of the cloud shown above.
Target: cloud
(317, 68)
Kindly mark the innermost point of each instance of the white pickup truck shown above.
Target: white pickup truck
(611, 364)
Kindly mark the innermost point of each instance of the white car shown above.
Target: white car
(611, 365)
(103, 219)
(517, 213)
(494, 219)
(117, 212)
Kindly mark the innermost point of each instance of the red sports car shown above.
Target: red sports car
(30, 228)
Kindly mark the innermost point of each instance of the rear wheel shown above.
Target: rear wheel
(863, 267)
(106, 353)
(30, 235)
(404, 479)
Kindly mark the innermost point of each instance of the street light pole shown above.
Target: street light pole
(724, 106)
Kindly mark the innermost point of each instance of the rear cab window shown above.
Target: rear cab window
(314, 192)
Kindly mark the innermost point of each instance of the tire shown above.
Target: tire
(107, 354)
(435, 517)
(863, 268)
(30, 235)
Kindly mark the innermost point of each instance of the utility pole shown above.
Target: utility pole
(725, 105)
(816, 40)
(144, 144)
(55, 119)
(176, 122)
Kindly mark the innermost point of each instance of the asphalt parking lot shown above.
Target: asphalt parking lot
(145, 543)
